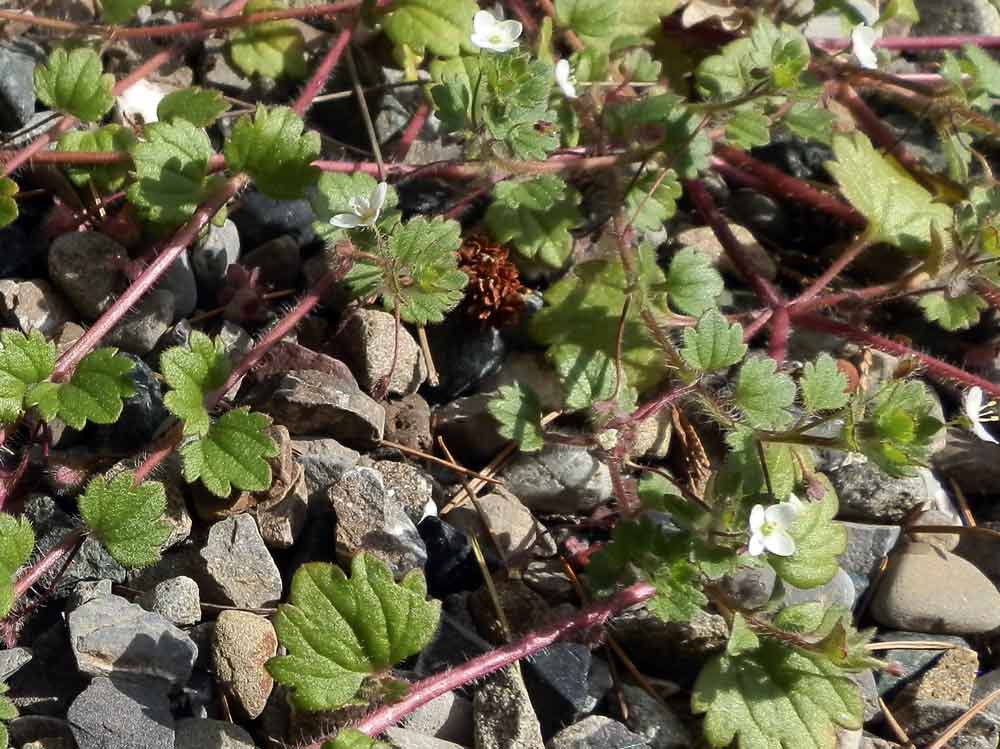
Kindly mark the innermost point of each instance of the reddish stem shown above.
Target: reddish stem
(145, 281)
(781, 328)
(780, 185)
(322, 73)
(936, 368)
(734, 250)
(855, 248)
(49, 560)
(434, 686)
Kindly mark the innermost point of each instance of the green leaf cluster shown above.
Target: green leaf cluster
(75, 83)
(126, 518)
(272, 149)
(340, 631)
(199, 106)
(897, 430)
(535, 215)
(232, 453)
(662, 122)
(273, 49)
(441, 27)
(193, 372)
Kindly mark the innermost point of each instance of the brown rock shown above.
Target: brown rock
(408, 422)
(242, 643)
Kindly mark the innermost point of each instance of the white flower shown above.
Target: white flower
(496, 36)
(977, 413)
(769, 530)
(564, 77)
(364, 211)
(138, 103)
(863, 39)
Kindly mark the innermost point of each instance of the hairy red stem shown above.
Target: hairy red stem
(412, 130)
(781, 328)
(49, 560)
(855, 248)
(781, 185)
(936, 368)
(322, 73)
(130, 297)
(434, 686)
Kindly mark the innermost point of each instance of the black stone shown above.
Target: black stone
(557, 681)
(464, 354)
(142, 415)
(20, 256)
(260, 218)
(451, 565)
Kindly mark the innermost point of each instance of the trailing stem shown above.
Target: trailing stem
(434, 686)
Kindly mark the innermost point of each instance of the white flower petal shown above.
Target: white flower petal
(510, 29)
(346, 221)
(972, 403)
(779, 542)
(756, 546)
(564, 79)
(980, 431)
(139, 102)
(796, 504)
(483, 23)
(756, 518)
(377, 198)
(862, 40)
(780, 515)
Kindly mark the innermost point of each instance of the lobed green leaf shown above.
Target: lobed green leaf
(25, 361)
(518, 414)
(273, 49)
(959, 312)
(439, 26)
(126, 518)
(272, 149)
(199, 106)
(17, 544)
(823, 385)
(535, 215)
(692, 283)
(96, 390)
(232, 453)
(75, 84)
(8, 201)
(192, 372)
(763, 394)
(338, 631)
(713, 343)
(108, 139)
(819, 540)
(171, 166)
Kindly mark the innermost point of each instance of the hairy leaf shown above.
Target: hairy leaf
(108, 139)
(273, 151)
(274, 49)
(640, 548)
(127, 519)
(748, 128)
(349, 738)
(809, 122)
(440, 26)
(953, 312)
(199, 106)
(899, 210)
(897, 431)
(8, 203)
(594, 21)
(96, 390)
(518, 413)
(25, 361)
(171, 165)
(589, 376)
(639, 18)
(763, 394)
(665, 122)
(17, 543)
(535, 215)
(692, 283)
(713, 343)
(584, 309)
(8, 711)
(774, 696)
(338, 630)
(819, 540)
(832, 630)
(741, 638)
(743, 475)
(652, 207)
(232, 453)
(75, 84)
(770, 58)
(823, 385)
(192, 372)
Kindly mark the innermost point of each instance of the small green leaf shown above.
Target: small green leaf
(75, 84)
(823, 385)
(108, 139)
(692, 283)
(126, 519)
(589, 376)
(199, 106)
(748, 128)
(338, 631)
(897, 432)
(664, 121)
(763, 394)
(441, 26)
(273, 49)
(594, 21)
(713, 343)
(953, 312)
(96, 390)
(741, 637)
(192, 372)
(584, 309)
(773, 697)
(17, 544)
(640, 548)
(25, 361)
(641, 18)
(535, 215)
(171, 166)
(832, 629)
(818, 542)
(8, 203)
(898, 209)
(273, 151)
(899, 10)
(349, 738)
(518, 413)
(660, 495)
(742, 474)
(421, 273)
(120, 11)
(651, 208)
(232, 453)
(808, 121)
